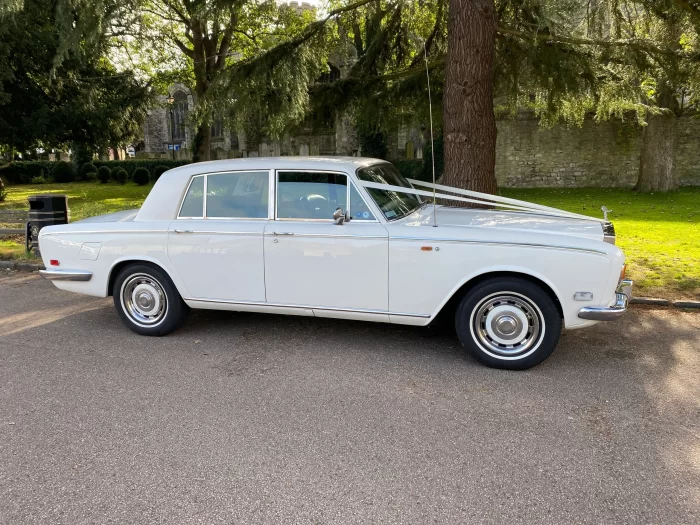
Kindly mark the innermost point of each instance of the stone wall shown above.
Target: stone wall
(602, 154)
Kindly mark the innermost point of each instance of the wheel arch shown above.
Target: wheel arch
(450, 305)
(120, 264)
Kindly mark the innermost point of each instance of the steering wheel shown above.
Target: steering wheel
(316, 206)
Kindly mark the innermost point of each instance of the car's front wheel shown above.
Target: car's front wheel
(147, 301)
(508, 323)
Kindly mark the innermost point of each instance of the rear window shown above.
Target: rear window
(193, 205)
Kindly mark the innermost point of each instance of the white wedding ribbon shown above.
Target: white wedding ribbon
(478, 198)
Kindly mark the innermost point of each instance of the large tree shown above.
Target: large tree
(80, 102)
(249, 61)
(469, 122)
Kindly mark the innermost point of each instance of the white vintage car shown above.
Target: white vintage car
(346, 238)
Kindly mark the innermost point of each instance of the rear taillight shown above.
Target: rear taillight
(54, 262)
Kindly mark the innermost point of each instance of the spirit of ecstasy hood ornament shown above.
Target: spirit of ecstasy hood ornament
(605, 212)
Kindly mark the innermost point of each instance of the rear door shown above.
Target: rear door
(216, 243)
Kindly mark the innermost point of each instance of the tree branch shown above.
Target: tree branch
(638, 45)
(186, 50)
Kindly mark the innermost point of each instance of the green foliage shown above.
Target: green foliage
(427, 172)
(39, 180)
(3, 191)
(373, 142)
(22, 172)
(62, 172)
(141, 176)
(122, 176)
(104, 174)
(409, 168)
(132, 164)
(158, 171)
(84, 171)
(78, 100)
(80, 156)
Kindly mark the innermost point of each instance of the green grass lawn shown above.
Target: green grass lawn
(660, 233)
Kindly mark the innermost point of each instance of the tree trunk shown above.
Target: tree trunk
(201, 145)
(468, 118)
(656, 172)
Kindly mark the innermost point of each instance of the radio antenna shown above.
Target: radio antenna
(432, 139)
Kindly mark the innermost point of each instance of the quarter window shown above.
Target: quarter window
(310, 195)
(238, 195)
(193, 205)
(359, 211)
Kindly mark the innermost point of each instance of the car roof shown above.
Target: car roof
(317, 163)
(168, 191)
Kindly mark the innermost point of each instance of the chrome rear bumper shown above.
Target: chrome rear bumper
(66, 275)
(609, 313)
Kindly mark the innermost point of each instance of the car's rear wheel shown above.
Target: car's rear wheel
(147, 301)
(508, 323)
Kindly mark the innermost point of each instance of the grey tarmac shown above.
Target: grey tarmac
(251, 418)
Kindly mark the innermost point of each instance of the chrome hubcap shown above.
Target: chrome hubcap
(144, 300)
(507, 324)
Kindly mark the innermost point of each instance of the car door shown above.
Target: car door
(216, 243)
(312, 261)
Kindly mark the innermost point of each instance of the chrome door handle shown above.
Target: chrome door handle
(282, 233)
(183, 231)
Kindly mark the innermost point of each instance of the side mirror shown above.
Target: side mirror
(339, 216)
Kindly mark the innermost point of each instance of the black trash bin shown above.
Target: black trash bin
(45, 210)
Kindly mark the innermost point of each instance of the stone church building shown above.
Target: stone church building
(168, 134)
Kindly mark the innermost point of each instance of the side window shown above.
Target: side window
(359, 211)
(238, 195)
(309, 195)
(193, 205)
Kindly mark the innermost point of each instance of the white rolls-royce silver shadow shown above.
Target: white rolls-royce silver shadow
(347, 238)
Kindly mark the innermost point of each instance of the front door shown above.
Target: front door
(216, 243)
(312, 261)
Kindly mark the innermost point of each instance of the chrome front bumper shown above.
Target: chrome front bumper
(609, 313)
(66, 275)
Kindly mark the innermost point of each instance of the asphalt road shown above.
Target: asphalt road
(248, 418)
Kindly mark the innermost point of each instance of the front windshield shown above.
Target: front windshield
(394, 205)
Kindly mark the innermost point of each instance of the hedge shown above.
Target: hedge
(63, 172)
(23, 171)
(104, 174)
(131, 165)
(141, 176)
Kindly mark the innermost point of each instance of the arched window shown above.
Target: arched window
(217, 128)
(178, 115)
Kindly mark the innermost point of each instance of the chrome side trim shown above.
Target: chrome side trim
(207, 232)
(66, 275)
(99, 232)
(472, 241)
(329, 235)
(308, 307)
(610, 313)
